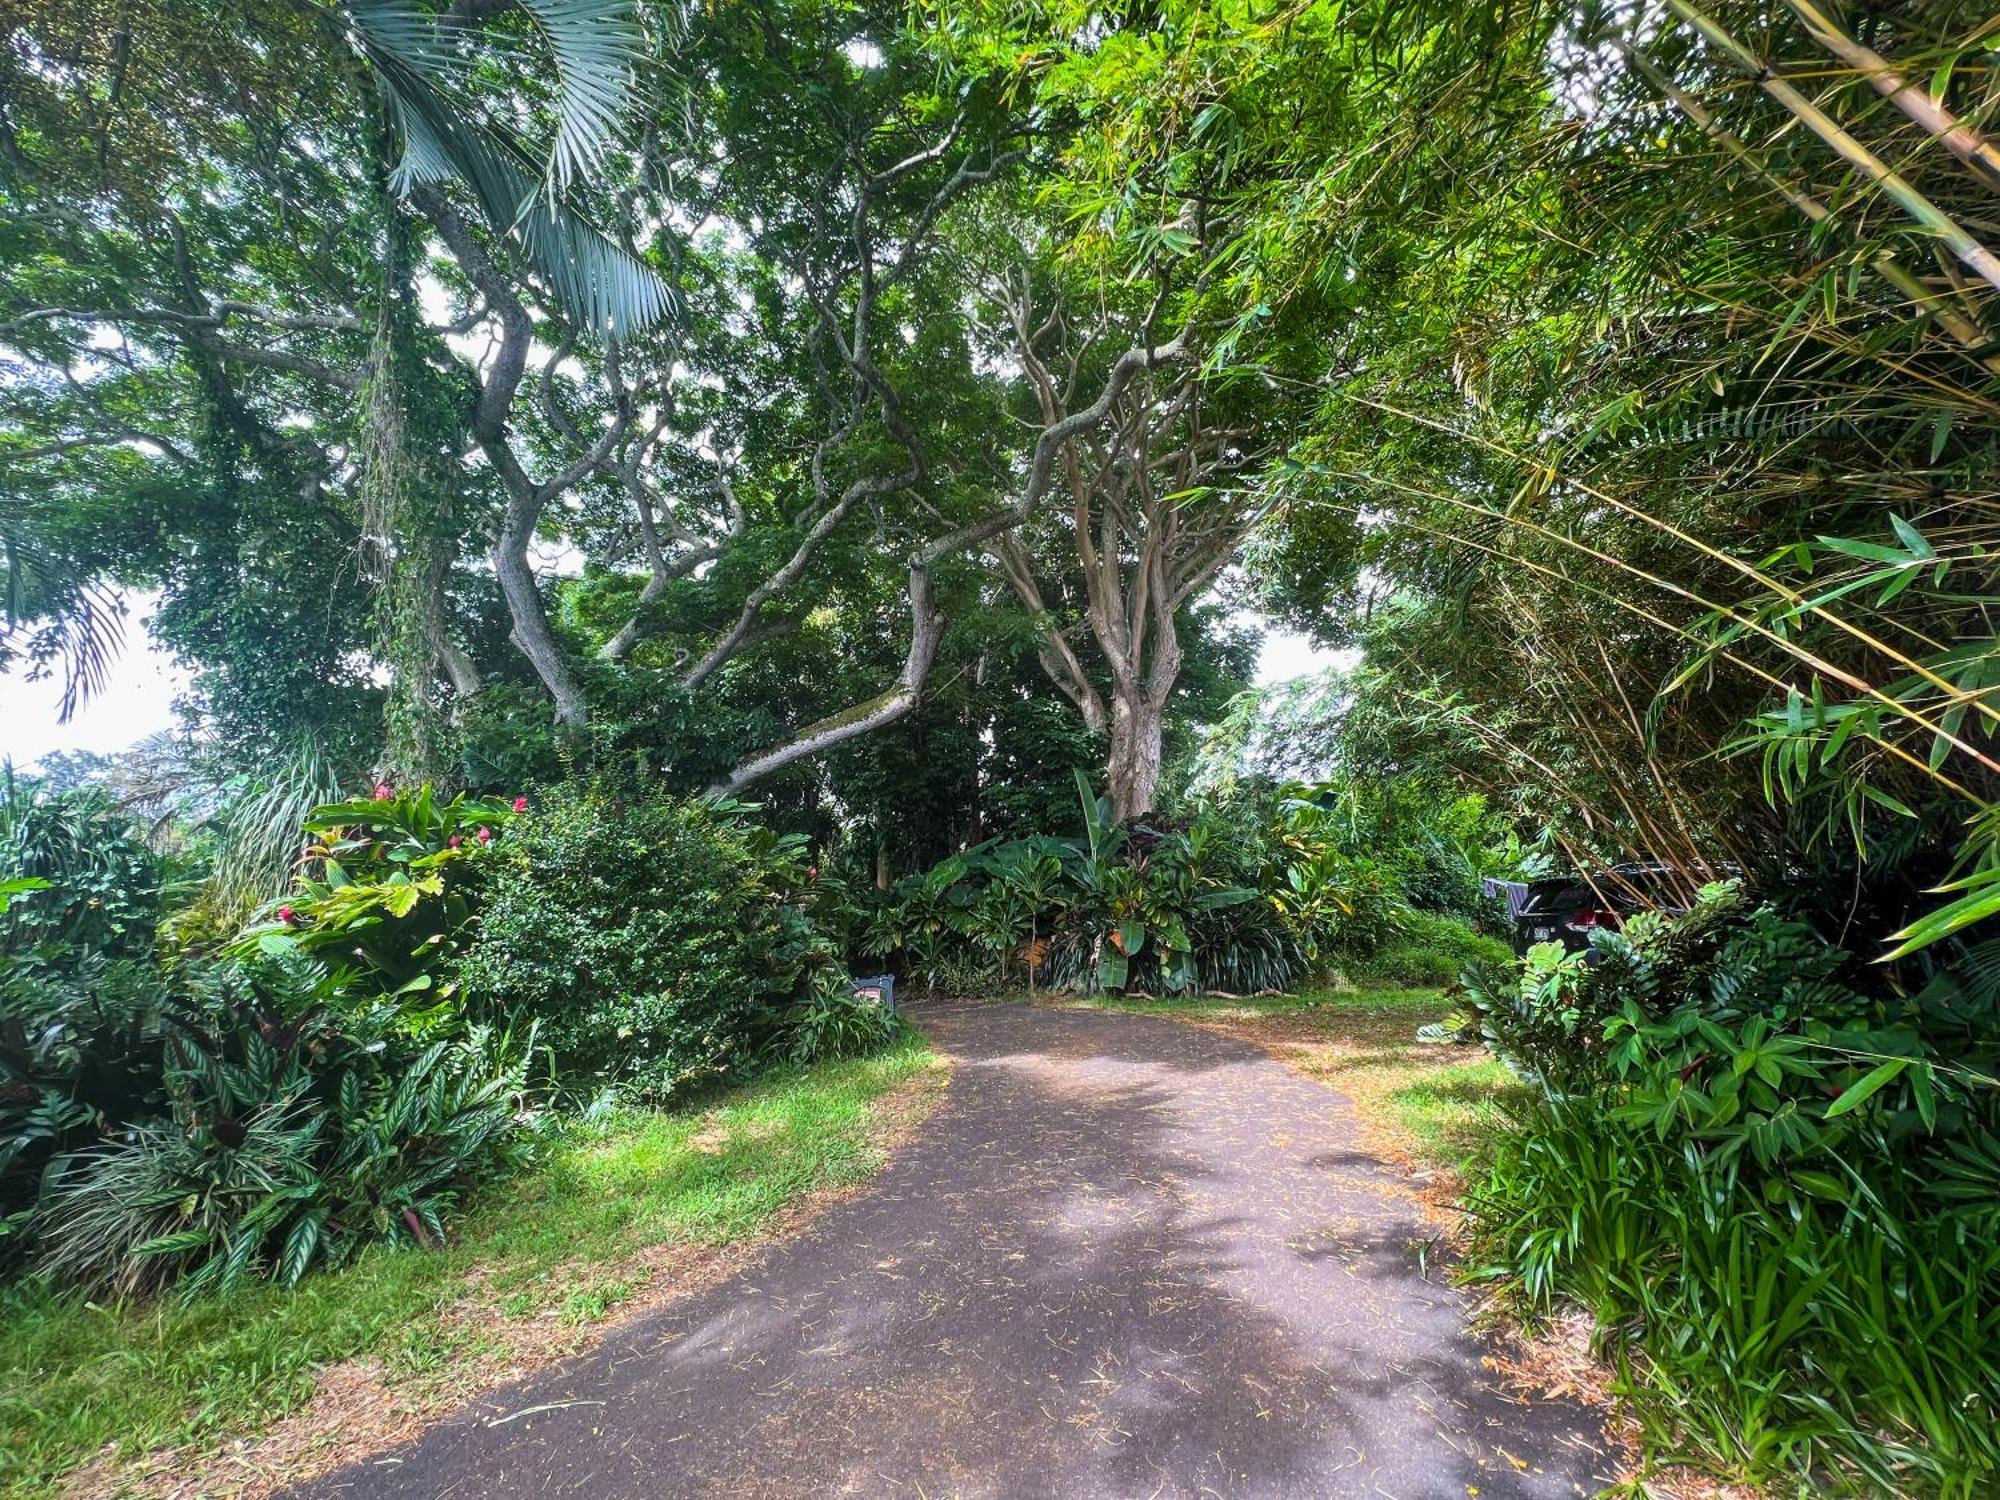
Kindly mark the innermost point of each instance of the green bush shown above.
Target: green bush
(81, 1006)
(1429, 949)
(652, 940)
(1775, 1181)
(388, 883)
(167, 1118)
(100, 885)
(295, 1121)
(1829, 1325)
(837, 1023)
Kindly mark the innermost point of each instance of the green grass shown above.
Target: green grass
(76, 1377)
(1435, 1106)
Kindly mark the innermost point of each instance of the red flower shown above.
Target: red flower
(485, 834)
(382, 792)
(520, 804)
(454, 841)
(285, 915)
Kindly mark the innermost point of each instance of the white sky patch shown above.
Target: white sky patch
(1286, 655)
(138, 700)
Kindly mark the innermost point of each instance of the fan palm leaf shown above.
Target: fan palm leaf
(51, 613)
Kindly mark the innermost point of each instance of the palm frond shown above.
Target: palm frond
(602, 284)
(595, 43)
(54, 615)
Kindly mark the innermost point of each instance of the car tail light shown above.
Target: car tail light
(1590, 916)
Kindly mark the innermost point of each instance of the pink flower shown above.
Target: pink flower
(382, 792)
(520, 804)
(285, 915)
(813, 873)
(454, 841)
(485, 834)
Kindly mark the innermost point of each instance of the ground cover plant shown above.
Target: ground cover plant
(180, 1119)
(602, 1219)
(1772, 1190)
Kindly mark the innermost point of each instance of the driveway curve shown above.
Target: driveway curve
(1124, 1258)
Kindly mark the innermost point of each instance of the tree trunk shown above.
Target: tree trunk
(1133, 771)
(531, 633)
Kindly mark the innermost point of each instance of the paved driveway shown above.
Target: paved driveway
(1125, 1258)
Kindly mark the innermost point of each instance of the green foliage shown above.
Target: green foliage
(82, 1379)
(1428, 949)
(1769, 1184)
(1145, 905)
(81, 1010)
(169, 1119)
(835, 1023)
(1788, 1335)
(1250, 889)
(266, 1120)
(654, 940)
(389, 882)
(99, 890)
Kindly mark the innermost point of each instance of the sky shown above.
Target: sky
(139, 699)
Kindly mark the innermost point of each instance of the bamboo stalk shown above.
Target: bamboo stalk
(1938, 308)
(1782, 642)
(1981, 157)
(1637, 611)
(1973, 698)
(1961, 243)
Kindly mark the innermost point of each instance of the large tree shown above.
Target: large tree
(727, 389)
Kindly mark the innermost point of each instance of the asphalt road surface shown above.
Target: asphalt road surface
(1124, 1258)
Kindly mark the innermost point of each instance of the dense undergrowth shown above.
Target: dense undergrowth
(1773, 1181)
(188, 1102)
(1265, 889)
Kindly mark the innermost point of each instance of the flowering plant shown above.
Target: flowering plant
(387, 883)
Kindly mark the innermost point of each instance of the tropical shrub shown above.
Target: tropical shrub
(1162, 905)
(296, 1129)
(1429, 949)
(1774, 1181)
(834, 1022)
(80, 1004)
(388, 883)
(653, 940)
(167, 1117)
(99, 885)
(80, 1053)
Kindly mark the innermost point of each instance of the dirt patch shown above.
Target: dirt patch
(358, 1410)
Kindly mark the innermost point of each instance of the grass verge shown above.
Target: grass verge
(638, 1208)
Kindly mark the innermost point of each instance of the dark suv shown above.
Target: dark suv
(1568, 908)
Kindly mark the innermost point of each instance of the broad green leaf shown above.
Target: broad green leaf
(1867, 1086)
